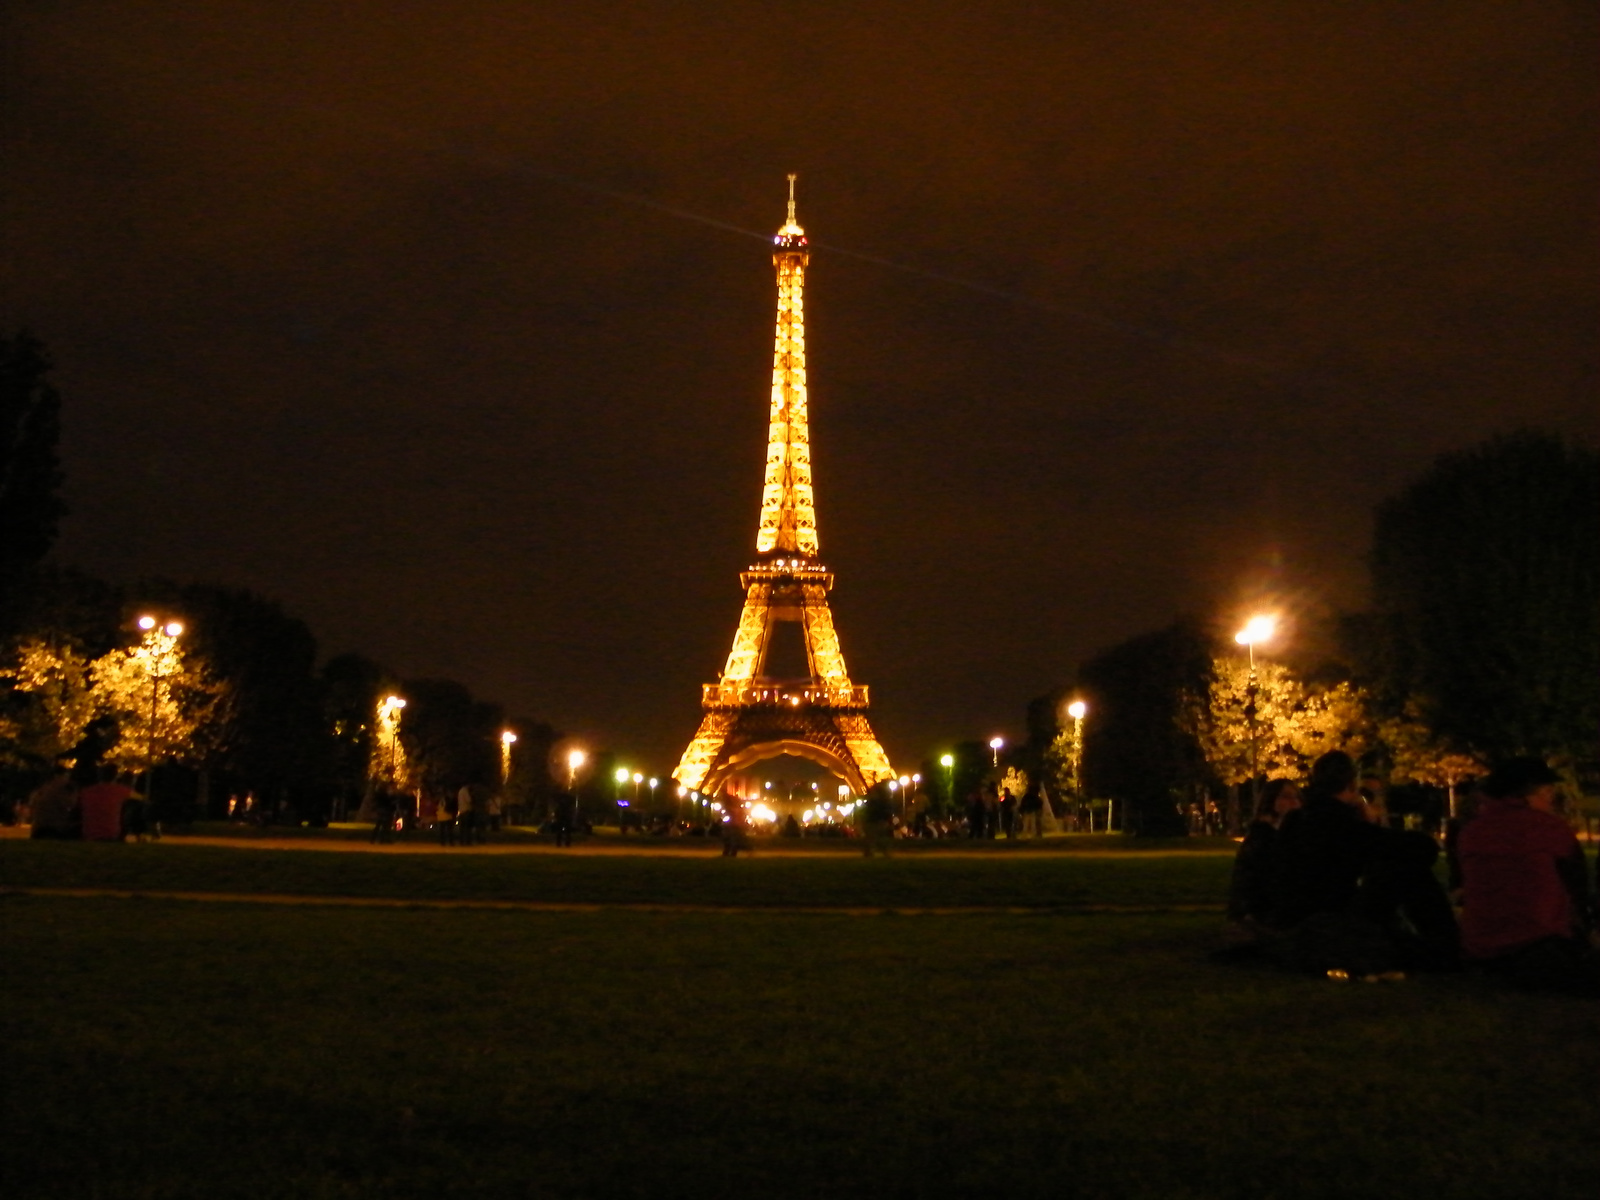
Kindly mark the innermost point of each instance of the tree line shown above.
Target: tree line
(218, 692)
(1482, 641)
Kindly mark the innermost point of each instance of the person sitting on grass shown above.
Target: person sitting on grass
(1347, 887)
(1527, 911)
(1250, 889)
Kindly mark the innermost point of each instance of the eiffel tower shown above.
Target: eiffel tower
(749, 715)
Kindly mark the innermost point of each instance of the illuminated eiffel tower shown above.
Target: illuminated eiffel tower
(749, 715)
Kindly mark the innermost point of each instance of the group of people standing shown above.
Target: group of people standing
(1319, 884)
(459, 818)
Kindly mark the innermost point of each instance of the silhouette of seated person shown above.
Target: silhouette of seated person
(1357, 895)
(1527, 910)
(1250, 889)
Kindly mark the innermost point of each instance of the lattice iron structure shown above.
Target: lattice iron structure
(750, 716)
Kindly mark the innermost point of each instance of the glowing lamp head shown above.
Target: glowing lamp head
(638, 777)
(996, 742)
(947, 761)
(1256, 630)
(622, 774)
(894, 785)
(147, 623)
(174, 628)
(654, 781)
(576, 759)
(393, 702)
(1077, 709)
(507, 738)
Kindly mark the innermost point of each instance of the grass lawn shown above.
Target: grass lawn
(844, 878)
(168, 1048)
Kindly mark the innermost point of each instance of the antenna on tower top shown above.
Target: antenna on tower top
(792, 178)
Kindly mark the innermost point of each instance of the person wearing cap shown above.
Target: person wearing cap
(1527, 910)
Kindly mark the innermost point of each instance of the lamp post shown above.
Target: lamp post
(158, 655)
(638, 778)
(1258, 628)
(507, 739)
(653, 783)
(948, 762)
(1077, 710)
(995, 743)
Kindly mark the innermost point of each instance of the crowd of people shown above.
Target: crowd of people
(1319, 884)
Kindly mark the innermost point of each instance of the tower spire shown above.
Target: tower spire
(788, 513)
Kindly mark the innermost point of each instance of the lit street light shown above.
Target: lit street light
(1077, 710)
(1259, 628)
(948, 762)
(994, 750)
(159, 654)
(507, 739)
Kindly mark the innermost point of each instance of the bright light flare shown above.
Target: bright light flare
(1257, 629)
(147, 622)
(1077, 709)
(996, 742)
(762, 813)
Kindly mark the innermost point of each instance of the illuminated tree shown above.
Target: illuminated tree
(164, 701)
(50, 705)
(1295, 723)
(1014, 783)
(1416, 755)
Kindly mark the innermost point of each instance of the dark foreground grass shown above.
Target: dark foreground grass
(908, 880)
(171, 1049)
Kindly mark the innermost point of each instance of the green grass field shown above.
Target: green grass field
(166, 1048)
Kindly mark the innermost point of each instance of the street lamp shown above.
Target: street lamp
(994, 750)
(1259, 628)
(507, 738)
(638, 778)
(159, 653)
(948, 762)
(575, 761)
(653, 782)
(1077, 710)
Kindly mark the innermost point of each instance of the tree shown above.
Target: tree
(50, 705)
(269, 736)
(1486, 576)
(1295, 722)
(1417, 756)
(30, 469)
(351, 688)
(1138, 748)
(449, 738)
(161, 697)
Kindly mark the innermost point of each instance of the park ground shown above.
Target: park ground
(244, 1017)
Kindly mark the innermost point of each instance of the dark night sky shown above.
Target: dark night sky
(337, 318)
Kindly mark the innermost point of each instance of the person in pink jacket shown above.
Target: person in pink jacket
(1527, 909)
